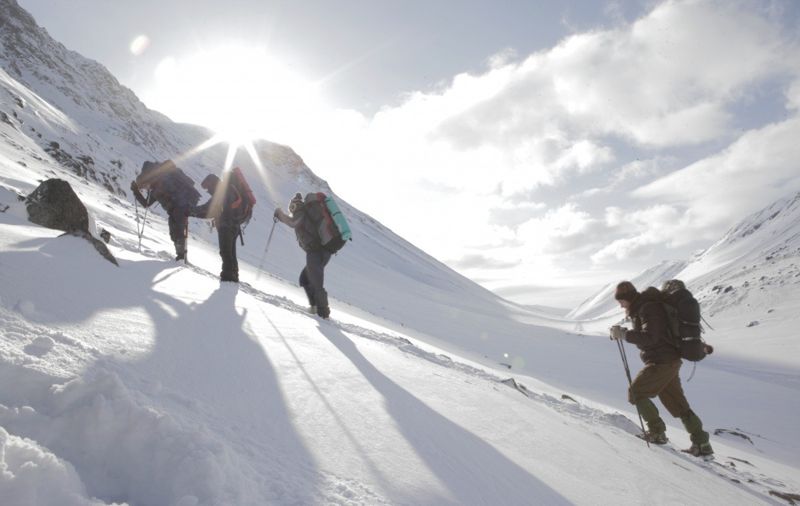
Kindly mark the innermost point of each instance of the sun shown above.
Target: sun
(240, 92)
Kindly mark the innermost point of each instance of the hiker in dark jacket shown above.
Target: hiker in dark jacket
(220, 209)
(312, 277)
(176, 199)
(662, 362)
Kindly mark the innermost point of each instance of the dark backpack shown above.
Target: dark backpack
(329, 222)
(242, 207)
(683, 321)
(173, 182)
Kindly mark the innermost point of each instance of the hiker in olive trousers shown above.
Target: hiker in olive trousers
(662, 363)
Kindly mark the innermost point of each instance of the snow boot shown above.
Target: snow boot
(657, 438)
(312, 309)
(700, 450)
(323, 312)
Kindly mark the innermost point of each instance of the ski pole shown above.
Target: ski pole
(266, 248)
(144, 220)
(630, 383)
(138, 228)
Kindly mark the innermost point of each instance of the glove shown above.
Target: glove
(618, 332)
(134, 186)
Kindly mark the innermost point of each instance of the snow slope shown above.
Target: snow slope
(152, 383)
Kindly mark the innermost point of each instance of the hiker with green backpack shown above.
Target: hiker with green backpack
(321, 231)
(662, 362)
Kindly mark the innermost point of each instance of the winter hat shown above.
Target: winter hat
(210, 182)
(625, 291)
(296, 202)
(672, 285)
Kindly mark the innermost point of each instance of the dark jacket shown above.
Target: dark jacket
(163, 194)
(304, 229)
(650, 331)
(219, 208)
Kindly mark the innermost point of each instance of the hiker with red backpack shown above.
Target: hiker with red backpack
(662, 362)
(174, 190)
(230, 206)
(321, 231)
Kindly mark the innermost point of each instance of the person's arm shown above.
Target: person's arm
(286, 219)
(138, 195)
(201, 211)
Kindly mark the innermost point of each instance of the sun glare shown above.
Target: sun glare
(239, 92)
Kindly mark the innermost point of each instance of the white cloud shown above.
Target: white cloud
(490, 146)
(761, 166)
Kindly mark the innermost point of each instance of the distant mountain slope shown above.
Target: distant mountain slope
(755, 264)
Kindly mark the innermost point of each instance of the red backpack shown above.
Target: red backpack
(242, 206)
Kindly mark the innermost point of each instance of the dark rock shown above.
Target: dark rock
(54, 204)
(105, 235)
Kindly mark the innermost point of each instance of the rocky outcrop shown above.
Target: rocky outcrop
(53, 204)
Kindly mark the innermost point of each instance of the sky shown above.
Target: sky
(543, 149)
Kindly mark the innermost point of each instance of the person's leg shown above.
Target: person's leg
(315, 273)
(178, 231)
(304, 282)
(227, 252)
(674, 400)
(648, 384)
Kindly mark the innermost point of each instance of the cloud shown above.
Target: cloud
(476, 261)
(618, 131)
(561, 230)
(761, 166)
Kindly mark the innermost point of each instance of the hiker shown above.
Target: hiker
(662, 363)
(175, 191)
(221, 209)
(312, 276)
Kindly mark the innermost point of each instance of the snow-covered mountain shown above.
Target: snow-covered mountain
(153, 384)
(757, 258)
(71, 117)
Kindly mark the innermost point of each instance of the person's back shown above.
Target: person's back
(650, 331)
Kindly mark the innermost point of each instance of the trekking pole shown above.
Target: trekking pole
(266, 248)
(630, 382)
(138, 228)
(144, 220)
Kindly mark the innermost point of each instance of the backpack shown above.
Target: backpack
(175, 184)
(329, 221)
(242, 206)
(683, 322)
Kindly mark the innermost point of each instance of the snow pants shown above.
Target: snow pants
(227, 235)
(312, 279)
(179, 229)
(663, 380)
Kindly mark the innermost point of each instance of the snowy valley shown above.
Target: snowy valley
(152, 383)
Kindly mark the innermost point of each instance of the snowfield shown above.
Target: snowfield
(152, 383)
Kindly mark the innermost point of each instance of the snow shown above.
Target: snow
(153, 383)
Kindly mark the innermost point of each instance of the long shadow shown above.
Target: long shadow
(472, 470)
(203, 356)
(213, 376)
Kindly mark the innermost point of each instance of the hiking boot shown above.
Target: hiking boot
(700, 450)
(657, 438)
(312, 309)
(323, 312)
